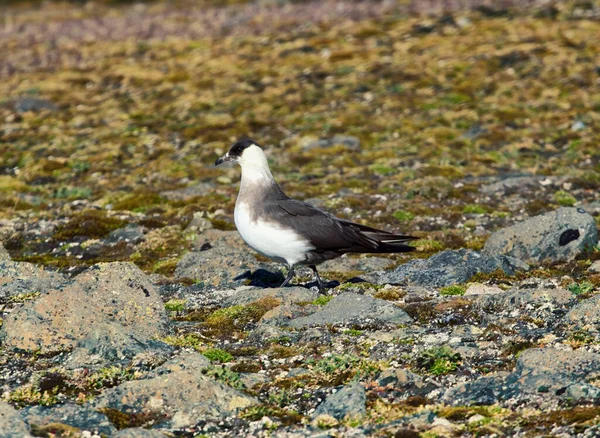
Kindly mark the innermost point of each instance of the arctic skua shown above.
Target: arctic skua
(291, 231)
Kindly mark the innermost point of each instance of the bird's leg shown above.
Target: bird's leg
(289, 277)
(319, 281)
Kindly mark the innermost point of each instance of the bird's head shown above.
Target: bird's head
(246, 153)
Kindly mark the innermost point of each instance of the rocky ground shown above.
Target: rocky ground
(130, 306)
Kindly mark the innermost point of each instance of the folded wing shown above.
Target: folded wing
(328, 233)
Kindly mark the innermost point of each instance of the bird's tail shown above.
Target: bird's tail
(390, 243)
(373, 240)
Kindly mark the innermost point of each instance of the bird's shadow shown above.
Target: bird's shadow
(264, 278)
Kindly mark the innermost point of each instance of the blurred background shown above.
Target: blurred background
(445, 119)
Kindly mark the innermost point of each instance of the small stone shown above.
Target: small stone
(475, 418)
(130, 234)
(348, 402)
(482, 289)
(352, 143)
(188, 193)
(354, 308)
(138, 432)
(405, 381)
(34, 104)
(595, 267)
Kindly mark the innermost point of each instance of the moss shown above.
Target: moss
(281, 351)
(322, 300)
(175, 305)
(475, 209)
(125, 420)
(225, 322)
(286, 416)
(166, 267)
(439, 360)
(390, 294)
(217, 355)
(51, 430)
(189, 340)
(138, 202)
(453, 290)
(579, 417)
(403, 216)
(564, 198)
(89, 224)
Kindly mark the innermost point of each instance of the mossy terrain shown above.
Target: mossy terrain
(438, 106)
(383, 113)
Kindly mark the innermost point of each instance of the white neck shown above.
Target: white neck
(255, 168)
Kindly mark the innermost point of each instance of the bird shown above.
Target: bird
(294, 232)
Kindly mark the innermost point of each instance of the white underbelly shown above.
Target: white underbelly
(270, 240)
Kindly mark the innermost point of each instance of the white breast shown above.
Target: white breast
(270, 240)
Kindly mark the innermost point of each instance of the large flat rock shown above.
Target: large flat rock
(447, 268)
(179, 392)
(544, 373)
(556, 236)
(351, 308)
(111, 300)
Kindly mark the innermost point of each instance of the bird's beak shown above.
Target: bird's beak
(222, 160)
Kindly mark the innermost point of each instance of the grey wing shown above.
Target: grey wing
(324, 231)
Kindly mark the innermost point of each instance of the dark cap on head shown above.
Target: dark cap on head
(238, 147)
(236, 150)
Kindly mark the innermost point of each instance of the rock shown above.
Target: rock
(482, 289)
(586, 314)
(179, 391)
(350, 142)
(544, 373)
(110, 343)
(251, 380)
(4, 255)
(114, 301)
(25, 278)
(315, 335)
(266, 332)
(350, 264)
(348, 402)
(199, 224)
(35, 104)
(11, 423)
(406, 382)
(189, 192)
(595, 267)
(294, 294)
(70, 414)
(356, 309)
(592, 208)
(225, 263)
(552, 237)
(283, 314)
(550, 299)
(511, 185)
(447, 268)
(129, 234)
(138, 432)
